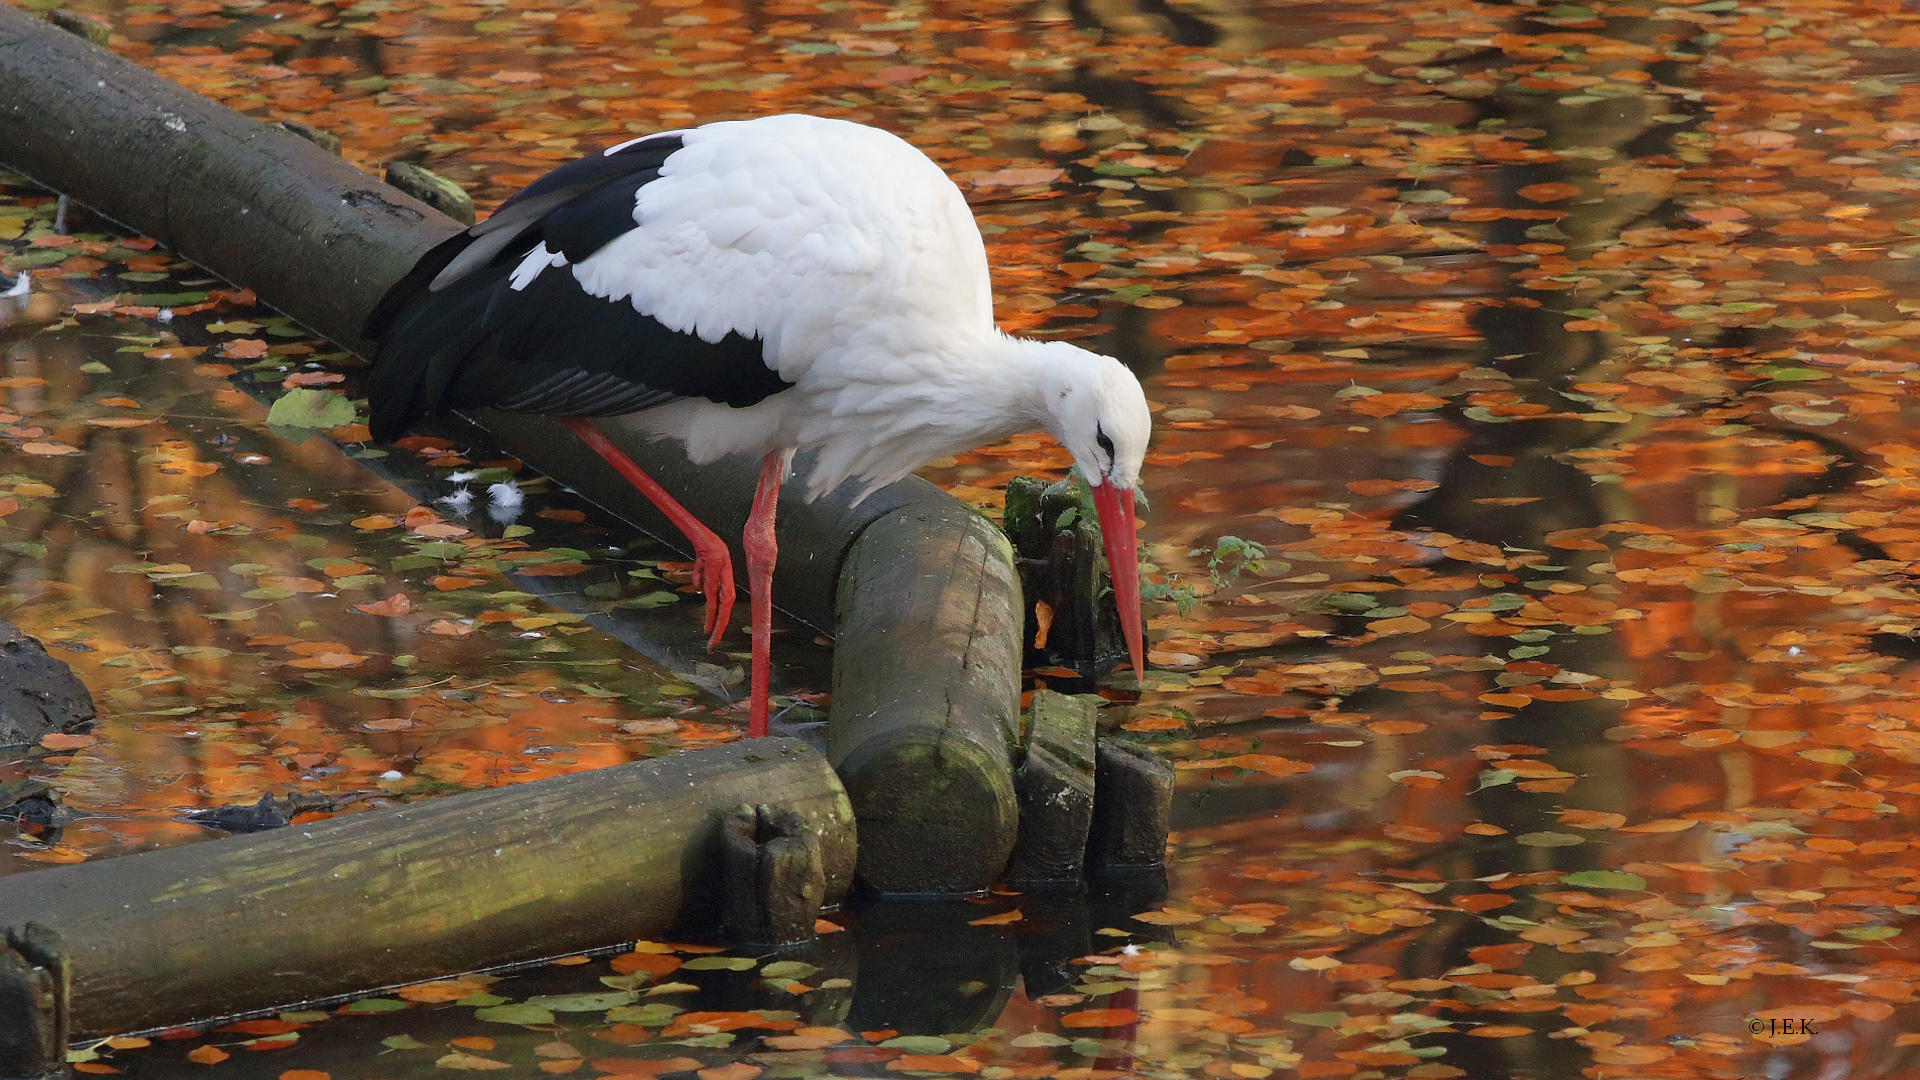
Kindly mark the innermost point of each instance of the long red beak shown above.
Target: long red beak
(1116, 526)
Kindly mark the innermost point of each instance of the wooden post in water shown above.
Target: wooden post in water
(1056, 789)
(34, 1002)
(419, 891)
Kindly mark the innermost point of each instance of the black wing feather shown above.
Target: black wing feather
(456, 334)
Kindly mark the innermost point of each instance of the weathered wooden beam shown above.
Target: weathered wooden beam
(1132, 806)
(926, 698)
(1055, 785)
(34, 1003)
(774, 879)
(420, 891)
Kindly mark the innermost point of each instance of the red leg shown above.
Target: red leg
(712, 564)
(761, 552)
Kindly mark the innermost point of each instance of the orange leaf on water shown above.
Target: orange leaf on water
(945, 1063)
(1099, 1018)
(207, 1055)
(54, 740)
(651, 963)
(1553, 192)
(397, 604)
(1001, 919)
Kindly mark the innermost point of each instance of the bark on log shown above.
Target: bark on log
(323, 242)
(1056, 788)
(34, 1000)
(1132, 807)
(926, 699)
(415, 892)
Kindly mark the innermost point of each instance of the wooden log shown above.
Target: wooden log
(775, 882)
(1063, 565)
(34, 1004)
(926, 699)
(415, 892)
(433, 189)
(314, 236)
(1055, 785)
(1133, 804)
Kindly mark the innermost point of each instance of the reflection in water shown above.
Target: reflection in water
(1555, 354)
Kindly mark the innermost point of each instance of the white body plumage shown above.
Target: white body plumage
(857, 263)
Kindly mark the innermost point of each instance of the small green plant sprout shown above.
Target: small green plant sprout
(1231, 555)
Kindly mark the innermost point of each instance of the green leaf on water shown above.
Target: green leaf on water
(918, 1044)
(1319, 1019)
(1605, 879)
(653, 1014)
(483, 1000)
(514, 1014)
(1550, 839)
(402, 1042)
(672, 988)
(304, 408)
(376, 1005)
(583, 1002)
(720, 963)
(789, 969)
(1494, 778)
(649, 600)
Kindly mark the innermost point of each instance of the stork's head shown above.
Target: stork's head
(1096, 409)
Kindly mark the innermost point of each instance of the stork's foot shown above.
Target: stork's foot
(712, 564)
(713, 573)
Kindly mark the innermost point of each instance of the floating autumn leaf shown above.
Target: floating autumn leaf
(1168, 917)
(1099, 1018)
(312, 378)
(1550, 192)
(939, 1063)
(1387, 487)
(244, 349)
(1592, 819)
(302, 408)
(464, 1062)
(175, 352)
(1498, 1031)
(55, 740)
(49, 449)
(1001, 919)
(375, 522)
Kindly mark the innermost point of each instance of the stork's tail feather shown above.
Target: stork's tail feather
(422, 348)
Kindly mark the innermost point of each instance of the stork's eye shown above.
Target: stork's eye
(1100, 439)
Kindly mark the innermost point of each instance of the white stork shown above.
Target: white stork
(755, 287)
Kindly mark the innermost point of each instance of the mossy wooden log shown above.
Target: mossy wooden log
(323, 242)
(1055, 784)
(1062, 563)
(415, 892)
(34, 1003)
(1132, 807)
(926, 698)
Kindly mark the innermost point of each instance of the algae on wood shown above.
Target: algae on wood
(414, 892)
